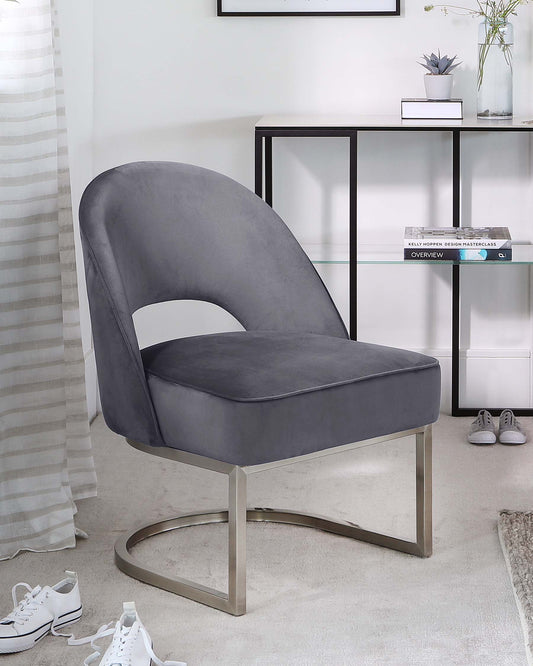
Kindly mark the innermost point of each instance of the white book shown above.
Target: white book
(432, 109)
(487, 238)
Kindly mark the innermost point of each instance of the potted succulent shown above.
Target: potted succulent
(439, 81)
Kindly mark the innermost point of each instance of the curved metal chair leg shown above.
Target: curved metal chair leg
(234, 601)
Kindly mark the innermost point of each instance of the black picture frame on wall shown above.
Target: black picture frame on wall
(308, 7)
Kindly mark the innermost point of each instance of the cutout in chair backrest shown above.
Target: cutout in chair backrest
(169, 320)
(160, 231)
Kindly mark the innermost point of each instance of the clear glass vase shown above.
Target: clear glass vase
(495, 69)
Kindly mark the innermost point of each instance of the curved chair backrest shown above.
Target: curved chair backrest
(160, 231)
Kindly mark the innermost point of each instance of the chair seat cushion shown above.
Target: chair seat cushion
(254, 397)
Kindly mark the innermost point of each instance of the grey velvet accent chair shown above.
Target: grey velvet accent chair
(291, 385)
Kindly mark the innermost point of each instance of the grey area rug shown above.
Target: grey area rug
(516, 537)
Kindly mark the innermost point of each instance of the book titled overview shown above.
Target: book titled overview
(457, 244)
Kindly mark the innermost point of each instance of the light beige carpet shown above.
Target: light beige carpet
(313, 598)
(516, 537)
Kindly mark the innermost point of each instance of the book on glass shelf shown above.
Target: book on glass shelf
(487, 238)
(432, 109)
(458, 243)
(468, 254)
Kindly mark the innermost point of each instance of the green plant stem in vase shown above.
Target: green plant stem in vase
(495, 70)
(495, 59)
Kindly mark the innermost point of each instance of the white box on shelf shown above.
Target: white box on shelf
(432, 109)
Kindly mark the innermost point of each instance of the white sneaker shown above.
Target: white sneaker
(40, 612)
(482, 430)
(510, 429)
(131, 644)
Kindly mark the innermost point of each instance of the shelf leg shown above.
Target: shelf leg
(353, 235)
(268, 170)
(456, 292)
(259, 164)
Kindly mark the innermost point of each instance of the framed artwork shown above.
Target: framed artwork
(308, 7)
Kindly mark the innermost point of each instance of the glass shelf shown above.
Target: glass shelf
(393, 254)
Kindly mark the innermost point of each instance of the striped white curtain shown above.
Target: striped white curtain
(45, 450)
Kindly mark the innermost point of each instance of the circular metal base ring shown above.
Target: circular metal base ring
(215, 598)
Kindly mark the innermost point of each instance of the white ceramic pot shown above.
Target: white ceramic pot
(438, 86)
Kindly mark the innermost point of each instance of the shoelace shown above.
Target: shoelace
(508, 419)
(26, 607)
(484, 419)
(121, 646)
(102, 632)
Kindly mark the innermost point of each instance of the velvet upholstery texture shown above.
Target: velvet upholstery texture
(160, 231)
(290, 384)
(256, 397)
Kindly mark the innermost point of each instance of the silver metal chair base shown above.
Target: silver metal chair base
(234, 601)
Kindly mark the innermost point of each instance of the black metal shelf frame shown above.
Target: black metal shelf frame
(263, 167)
(388, 12)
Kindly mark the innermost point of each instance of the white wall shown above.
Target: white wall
(175, 82)
(76, 25)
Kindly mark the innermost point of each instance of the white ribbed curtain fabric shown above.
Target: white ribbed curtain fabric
(45, 449)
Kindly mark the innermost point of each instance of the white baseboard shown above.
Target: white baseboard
(488, 377)
(477, 353)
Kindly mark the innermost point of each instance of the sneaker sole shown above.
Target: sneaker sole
(482, 438)
(28, 644)
(33, 641)
(512, 439)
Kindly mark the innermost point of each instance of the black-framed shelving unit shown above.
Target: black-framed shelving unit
(349, 127)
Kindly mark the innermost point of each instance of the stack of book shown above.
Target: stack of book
(457, 244)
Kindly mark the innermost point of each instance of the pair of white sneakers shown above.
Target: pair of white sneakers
(483, 429)
(44, 610)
